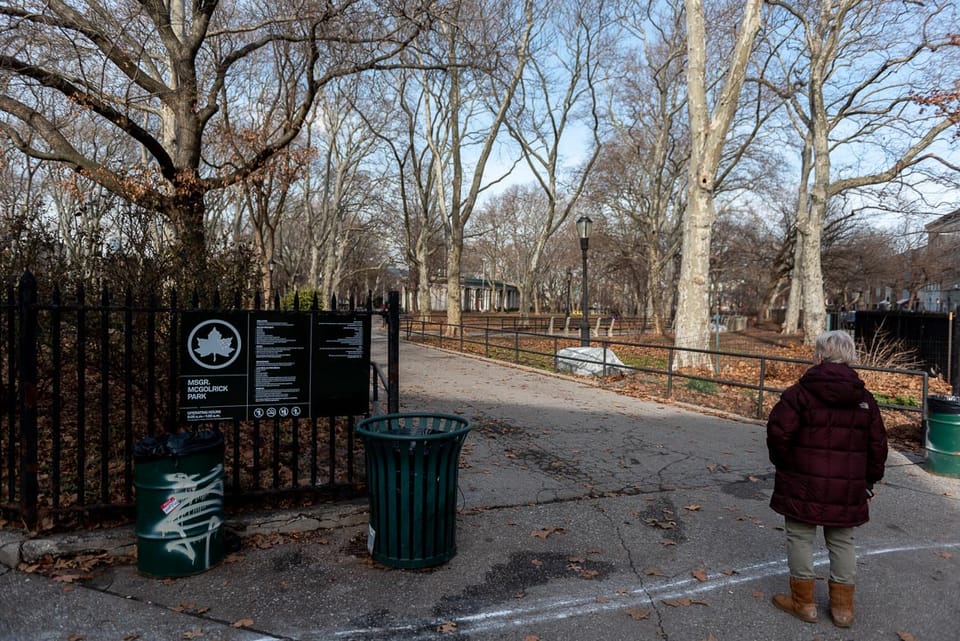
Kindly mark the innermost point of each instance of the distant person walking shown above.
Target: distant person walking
(828, 443)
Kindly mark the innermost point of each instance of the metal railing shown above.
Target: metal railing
(526, 348)
(82, 381)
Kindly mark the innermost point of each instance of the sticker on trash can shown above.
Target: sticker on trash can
(170, 505)
(371, 537)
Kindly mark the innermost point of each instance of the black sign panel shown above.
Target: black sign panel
(279, 379)
(341, 363)
(243, 365)
(213, 370)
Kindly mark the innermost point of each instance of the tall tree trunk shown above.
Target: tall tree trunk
(454, 298)
(810, 229)
(424, 295)
(708, 132)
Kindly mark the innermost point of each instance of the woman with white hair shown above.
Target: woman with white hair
(828, 443)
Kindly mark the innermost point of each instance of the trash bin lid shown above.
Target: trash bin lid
(413, 426)
(943, 404)
(177, 444)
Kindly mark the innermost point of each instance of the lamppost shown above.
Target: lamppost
(569, 278)
(583, 229)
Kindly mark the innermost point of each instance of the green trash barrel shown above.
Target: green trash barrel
(179, 503)
(412, 464)
(943, 435)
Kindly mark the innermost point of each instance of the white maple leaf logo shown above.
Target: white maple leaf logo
(214, 344)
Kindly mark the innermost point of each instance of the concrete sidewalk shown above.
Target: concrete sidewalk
(584, 515)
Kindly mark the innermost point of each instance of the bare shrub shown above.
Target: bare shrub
(883, 351)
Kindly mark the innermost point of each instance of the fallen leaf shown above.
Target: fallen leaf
(683, 602)
(638, 614)
(693, 508)
(545, 532)
(519, 595)
(192, 634)
(242, 623)
(753, 479)
(447, 627)
(711, 638)
(531, 637)
(589, 574)
(653, 571)
(663, 525)
(536, 563)
(757, 594)
(70, 578)
(729, 572)
(191, 608)
(700, 575)
(945, 555)
(601, 599)
(74, 637)
(906, 636)
(133, 636)
(236, 557)
(712, 467)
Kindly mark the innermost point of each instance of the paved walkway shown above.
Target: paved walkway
(584, 515)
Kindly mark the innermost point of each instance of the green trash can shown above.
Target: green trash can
(412, 464)
(942, 440)
(179, 503)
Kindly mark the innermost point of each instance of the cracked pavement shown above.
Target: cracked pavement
(583, 515)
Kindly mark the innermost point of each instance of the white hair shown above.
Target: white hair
(836, 347)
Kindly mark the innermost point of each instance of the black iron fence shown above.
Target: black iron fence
(752, 382)
(930, 336)
(82, 381)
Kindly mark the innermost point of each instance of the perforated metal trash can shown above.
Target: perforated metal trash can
(943, 435)
(412, 464)
(179, 501)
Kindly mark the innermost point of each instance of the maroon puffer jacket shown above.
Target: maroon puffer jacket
(828, 442)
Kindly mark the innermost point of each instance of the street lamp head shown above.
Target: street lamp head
(583, 229)
(584, 224)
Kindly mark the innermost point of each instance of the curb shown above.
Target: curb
(17, 547)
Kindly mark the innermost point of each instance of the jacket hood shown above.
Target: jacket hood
(835, 384)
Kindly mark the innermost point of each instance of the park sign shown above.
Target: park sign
(269, 364)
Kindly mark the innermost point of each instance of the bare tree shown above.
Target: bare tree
(159, 76)
(639, 178)
(851, 92)
(509, 230)
(415, 137)
(560, 93)
(344, 189)
(484, 50)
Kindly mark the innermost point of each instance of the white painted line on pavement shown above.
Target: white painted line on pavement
(559, 609)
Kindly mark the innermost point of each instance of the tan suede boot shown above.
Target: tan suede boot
(799, 602)
(841, 604)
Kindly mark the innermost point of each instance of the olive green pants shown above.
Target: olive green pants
(839, 540)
